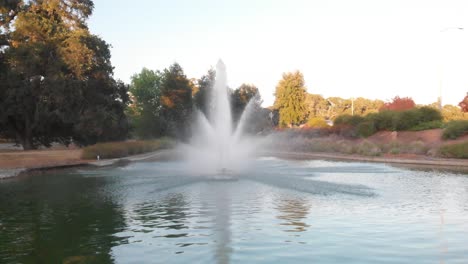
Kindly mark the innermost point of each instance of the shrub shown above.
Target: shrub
(417, 147)
(346, 147)
(343, 130)
(368, 148)
(429, 114)
(459, 150)
(317, 122)
(384, 120)
(427, 125)
(455, 129)
(406, 119)
(395, 150)
(348, 120)
(365, 129)
(111, 150)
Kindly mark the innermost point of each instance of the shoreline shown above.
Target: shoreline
(422, 162)
(6, 173)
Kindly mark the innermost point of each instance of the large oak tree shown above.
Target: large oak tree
(56, 79)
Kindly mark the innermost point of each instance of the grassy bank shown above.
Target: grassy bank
(459, 150)
(112, 150)
(335, 144)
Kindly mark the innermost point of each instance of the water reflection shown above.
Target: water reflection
(39, 224)
(169, 213)
(222, 227)
(293, 212)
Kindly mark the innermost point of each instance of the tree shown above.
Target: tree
(204, 87)
(399, 104)
(241, 96)
(290, 99)
(338, 106)
(464, 104)
(316, 106)
(145, 111)
(56, 81)
(176, 101)
(363, 106)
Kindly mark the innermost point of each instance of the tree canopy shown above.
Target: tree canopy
(162, 103)
(291, 99)
(242, 96)
(56, 82)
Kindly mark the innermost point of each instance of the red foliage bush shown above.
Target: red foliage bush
(399, 104)
(464, 104)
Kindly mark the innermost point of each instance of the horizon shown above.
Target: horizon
(360, 49)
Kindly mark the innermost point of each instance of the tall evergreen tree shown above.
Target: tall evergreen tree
(291, 99)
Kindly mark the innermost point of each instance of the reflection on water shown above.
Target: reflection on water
(169, 213)
(281, 211)
(294, 213)
(222, 228)
(52, 219)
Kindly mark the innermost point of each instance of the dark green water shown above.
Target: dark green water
(279, 212)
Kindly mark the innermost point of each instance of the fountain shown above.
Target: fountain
(216, 147)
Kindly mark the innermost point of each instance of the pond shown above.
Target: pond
(279, 211)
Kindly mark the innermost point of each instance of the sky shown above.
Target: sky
(376, 49)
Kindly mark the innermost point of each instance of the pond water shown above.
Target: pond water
(278, 212)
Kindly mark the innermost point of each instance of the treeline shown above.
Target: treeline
(57, 84)
(164, 102)
(414, 119)
(294, 107)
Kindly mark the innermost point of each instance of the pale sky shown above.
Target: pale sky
(346, 48)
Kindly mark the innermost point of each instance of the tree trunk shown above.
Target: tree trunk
(26, 138)
(27, 143)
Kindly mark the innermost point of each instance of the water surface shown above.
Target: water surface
(278, 212)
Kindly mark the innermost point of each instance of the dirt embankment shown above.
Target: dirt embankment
(431, 137)
(39, 158)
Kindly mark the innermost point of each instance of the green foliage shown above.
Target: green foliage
(290, 99)
(56, 79)
(428, 114)
(365, 129)
(427, 125)
(246, 98)
(144, 113)
(413, 119)
(349, 120)
(317, 122)
(204, 87)
(459, 150)
(455, 129)
(162, 103)
(112, 150)
(241, 97)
